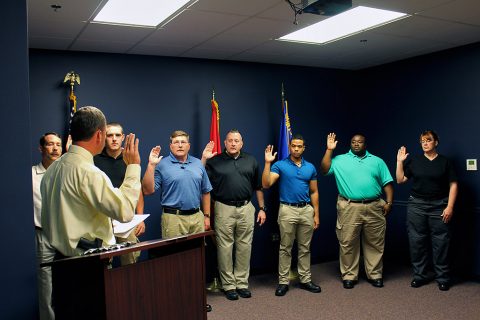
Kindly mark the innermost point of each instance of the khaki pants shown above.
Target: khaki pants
(45, 253)
(295, 223)
(234, 228)
(130, 257)
(366, 223)
(174, 225)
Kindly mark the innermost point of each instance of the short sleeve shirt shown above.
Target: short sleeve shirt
(360, 178)
(294, 181)
(182, 183)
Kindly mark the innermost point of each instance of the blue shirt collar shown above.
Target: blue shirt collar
(175, 160)
(290, 160)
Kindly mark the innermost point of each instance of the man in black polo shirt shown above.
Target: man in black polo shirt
(111, 162)
(234, 176)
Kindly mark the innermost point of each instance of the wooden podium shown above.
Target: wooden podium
(170, 284)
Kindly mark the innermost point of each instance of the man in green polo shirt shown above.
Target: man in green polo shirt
(361, 180)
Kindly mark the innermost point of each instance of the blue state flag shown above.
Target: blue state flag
(285, 134)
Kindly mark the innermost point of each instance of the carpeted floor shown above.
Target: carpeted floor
(397, 300)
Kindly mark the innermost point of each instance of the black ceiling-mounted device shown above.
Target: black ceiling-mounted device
(326, 7)
(320, 7)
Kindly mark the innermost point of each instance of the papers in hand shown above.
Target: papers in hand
(123, 230)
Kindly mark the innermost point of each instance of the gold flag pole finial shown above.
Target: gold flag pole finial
(72, 77)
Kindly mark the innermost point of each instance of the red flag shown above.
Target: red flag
(215, 127)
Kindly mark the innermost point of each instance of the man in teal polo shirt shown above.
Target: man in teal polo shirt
(361, 179)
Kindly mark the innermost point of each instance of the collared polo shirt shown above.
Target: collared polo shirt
(360, 178)
(182, 183)
(37, 174)
(233, 179)
(113, 167)
(294, 181)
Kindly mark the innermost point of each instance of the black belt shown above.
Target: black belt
(298, 204)
(180, 212)
(360, 201)
(237, 204)
(429, 198)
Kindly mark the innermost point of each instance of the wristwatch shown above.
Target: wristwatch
(207, 215)
(264, 208)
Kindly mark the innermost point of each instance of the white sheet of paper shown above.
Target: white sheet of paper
(123, 230)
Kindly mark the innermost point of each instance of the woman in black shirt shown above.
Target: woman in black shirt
(430, 208)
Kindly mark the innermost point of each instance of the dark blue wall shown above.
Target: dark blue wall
(439, 92)
(152, 96)
(17, 269)
(391, 104)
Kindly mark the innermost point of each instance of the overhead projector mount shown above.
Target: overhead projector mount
(320, 7)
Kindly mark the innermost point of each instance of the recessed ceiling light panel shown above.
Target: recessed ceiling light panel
(139, 12)
(345, 24)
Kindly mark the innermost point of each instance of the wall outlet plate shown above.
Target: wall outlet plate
(471, 164)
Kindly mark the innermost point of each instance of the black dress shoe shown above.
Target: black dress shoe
(377, 283)
(349, 284)
(231, 295)
(244, 293)
(281, 290)
(310, 286)
(417, 283)
(444, 286)
(208, 308)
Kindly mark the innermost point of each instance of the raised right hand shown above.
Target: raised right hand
(269, 155)
(331, 142)
(130, 150)
(208, 151)
(402, 154)
(155, 157)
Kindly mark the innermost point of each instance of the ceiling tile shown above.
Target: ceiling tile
(423, 28)
(465, 11)
(241, 7)
(101, 46)
(114, 33)
(49, 43)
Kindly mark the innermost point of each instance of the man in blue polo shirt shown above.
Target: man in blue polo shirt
(361, 179)
(298, 215)
(184, 184)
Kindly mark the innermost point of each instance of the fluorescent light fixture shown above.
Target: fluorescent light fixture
(345, 24)
(139, 12)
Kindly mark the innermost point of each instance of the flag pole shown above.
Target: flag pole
(70, 78)
(293, 273)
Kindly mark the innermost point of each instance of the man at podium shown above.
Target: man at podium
(78, 199)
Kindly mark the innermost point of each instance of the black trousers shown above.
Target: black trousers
(426, 231)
